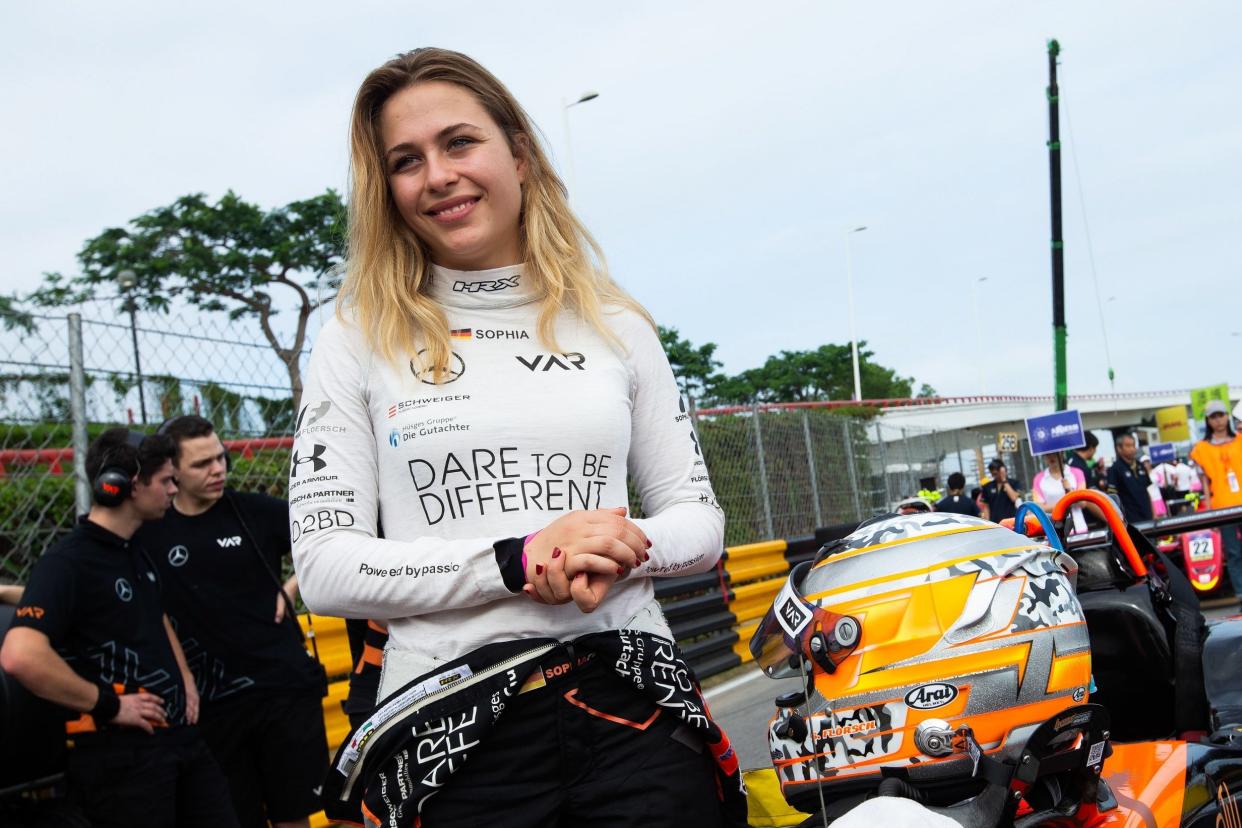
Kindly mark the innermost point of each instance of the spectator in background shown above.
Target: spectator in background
(1052, 484)
(1162, 475)
(219, 552)
(955, 501)
(913, 505)
(1185, 478)
(1084, 458)
(1129, 481)
(1100, 478)
(1219, 454)
(1002, 494)
(90, 635)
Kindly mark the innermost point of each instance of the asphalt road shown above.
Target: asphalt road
(743, 705)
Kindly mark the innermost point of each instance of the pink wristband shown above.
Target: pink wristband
(526, 543)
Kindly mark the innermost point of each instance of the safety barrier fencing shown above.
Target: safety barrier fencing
(777, 469)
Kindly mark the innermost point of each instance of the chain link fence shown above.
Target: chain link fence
(783, 471)
(62, 372)
(777, 471)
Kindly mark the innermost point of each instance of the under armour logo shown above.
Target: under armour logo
(178, 555)
(317, 464)
(123, 590)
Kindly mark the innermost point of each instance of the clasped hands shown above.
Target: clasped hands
(580, 555)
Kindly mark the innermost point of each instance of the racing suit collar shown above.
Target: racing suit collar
(500, 287)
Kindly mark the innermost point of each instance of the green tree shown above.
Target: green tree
(228, 255)
(695, 368)
(826, 373)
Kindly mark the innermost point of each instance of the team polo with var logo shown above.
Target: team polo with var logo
(97, 598)
(222, 599)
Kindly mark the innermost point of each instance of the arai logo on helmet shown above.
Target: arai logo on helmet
(931, 696)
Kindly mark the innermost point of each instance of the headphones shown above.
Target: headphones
(113, 485)
(167, 424)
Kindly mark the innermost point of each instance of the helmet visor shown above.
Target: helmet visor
(779, 645)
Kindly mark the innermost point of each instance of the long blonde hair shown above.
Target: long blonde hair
(389, 266)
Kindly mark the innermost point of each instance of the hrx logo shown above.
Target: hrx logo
(487, 285)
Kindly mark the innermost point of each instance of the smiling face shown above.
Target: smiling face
(453, 176)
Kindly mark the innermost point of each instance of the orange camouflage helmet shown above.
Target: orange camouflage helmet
(905, 631)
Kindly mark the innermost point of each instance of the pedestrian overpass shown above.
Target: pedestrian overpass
(1007, 413)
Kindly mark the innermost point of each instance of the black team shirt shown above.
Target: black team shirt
(97, 599)
(999, 504)
(958, 504)
(222, 600)
(1130, 484)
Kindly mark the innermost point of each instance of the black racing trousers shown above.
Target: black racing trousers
(163, 781)
(584, 749)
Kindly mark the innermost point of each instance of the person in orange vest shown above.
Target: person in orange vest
(1219, 454)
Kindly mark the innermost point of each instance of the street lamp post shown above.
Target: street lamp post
(569, 153)
(849, 272)
(128, 280)
(983, 369)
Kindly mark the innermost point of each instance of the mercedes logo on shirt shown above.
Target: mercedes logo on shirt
(123, 590)
(450, 373)
(178, 555)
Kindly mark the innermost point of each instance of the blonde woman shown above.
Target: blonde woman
(486, 391)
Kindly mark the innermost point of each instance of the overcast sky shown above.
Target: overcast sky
(730, 145)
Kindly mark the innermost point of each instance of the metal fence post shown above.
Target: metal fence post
(957, 441)
(848, 434)
(77, 410)
(888, 489)
(913, 480)
(810, 464)
(763, 473)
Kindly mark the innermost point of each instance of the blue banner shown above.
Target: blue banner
(1161, 453)
(1061, 431)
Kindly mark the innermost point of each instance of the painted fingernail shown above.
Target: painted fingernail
(648, 544)
(620, 570)
(538, 569)
(556, 551)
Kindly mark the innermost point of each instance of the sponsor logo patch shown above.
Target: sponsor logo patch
(546, 362)
(448, 373)
(931, 696)
(405, 406)
(315, 458)
(488, 285)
